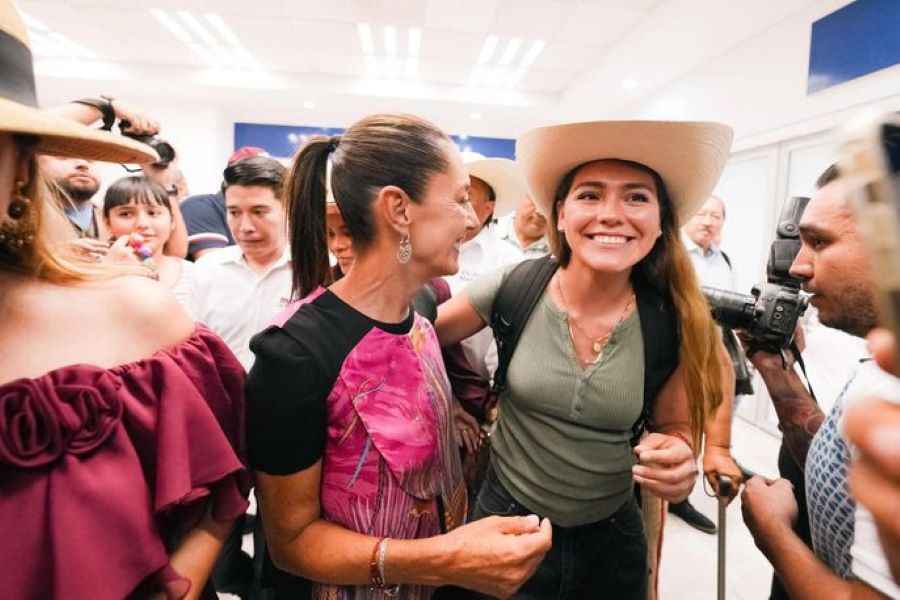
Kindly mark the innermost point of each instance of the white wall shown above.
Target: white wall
(759, 87)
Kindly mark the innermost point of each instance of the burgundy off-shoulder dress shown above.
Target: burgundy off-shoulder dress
(103, 470)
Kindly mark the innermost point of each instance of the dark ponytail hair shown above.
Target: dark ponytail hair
(375, 152)
(304, 203)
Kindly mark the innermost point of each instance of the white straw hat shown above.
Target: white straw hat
(688, 156)
(504, 177)
(57, 135)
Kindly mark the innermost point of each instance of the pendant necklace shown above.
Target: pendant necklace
(597, 343)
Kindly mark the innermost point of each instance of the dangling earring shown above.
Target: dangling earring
(404, 252)
(17, 227)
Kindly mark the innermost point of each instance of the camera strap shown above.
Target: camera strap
(798, 358)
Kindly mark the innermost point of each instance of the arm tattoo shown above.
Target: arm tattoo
(799, 417)
(799, 424)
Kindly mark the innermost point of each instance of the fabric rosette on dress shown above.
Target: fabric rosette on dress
(102, 470)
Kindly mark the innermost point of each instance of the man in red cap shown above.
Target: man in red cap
(204, 214)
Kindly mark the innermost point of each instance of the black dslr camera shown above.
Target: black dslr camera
(769, 315)
(163, 148)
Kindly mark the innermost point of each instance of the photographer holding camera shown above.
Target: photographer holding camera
(833, 266)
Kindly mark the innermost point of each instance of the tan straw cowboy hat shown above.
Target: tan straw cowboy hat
(19, 113)
(504, 177)
(688, 156)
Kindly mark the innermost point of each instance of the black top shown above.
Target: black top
(295, 369)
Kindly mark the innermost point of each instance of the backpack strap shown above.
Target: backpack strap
(659, 329)
(727, 260)
(515, 301)
(523, 288)
(426, 302)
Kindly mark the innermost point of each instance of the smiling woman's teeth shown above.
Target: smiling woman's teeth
(608, 239)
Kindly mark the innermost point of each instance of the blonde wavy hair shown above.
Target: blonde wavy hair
(667, 268)
(48, 257)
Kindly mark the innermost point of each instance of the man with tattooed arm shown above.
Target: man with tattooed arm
(846, 560)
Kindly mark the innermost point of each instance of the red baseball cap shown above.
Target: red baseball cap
(246, 152)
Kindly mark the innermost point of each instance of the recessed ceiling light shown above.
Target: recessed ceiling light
(629, 84)
(487, 49)
(248, 59)
(222, 27)
(226, 57)
(475, 116)
(390, 40)
(205, 54)
(533, 52)
(194, 25)
(309, 104)
(172, 25)
(415, 42)
(516, 78)
(512, 46)
(365, 38)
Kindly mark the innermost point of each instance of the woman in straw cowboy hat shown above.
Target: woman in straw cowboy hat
(120, 423)
(593, 355)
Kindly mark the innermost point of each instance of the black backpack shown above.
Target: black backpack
(523, 287)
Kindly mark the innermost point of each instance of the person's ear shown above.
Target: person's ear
(393, 204)
(560, 215)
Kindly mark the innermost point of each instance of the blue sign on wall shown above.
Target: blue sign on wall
(861, 38)
(283, 140)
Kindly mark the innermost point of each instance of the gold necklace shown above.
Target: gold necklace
(598, 343)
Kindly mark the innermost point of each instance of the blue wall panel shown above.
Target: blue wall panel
(283, 140)
(861, 38)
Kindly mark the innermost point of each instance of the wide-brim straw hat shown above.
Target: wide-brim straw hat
(504, 177)
(688, 156)
(19, 112)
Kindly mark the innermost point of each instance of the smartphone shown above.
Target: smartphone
(870, 164)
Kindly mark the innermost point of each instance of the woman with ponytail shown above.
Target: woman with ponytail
(621, 338)
(349, 421)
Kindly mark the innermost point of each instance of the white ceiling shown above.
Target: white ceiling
(309, 51)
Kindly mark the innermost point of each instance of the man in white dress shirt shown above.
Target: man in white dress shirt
(236, 290)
